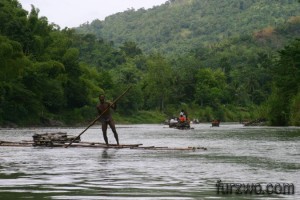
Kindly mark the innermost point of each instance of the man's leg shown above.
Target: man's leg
(113, 128)
(104, 131)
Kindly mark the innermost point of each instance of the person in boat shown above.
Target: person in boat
(181, 113)
(184, 115)
(106, 118)
(182, 118)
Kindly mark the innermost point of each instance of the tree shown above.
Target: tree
(184, 77)
(47, 80)
(286, 84)
(75, 89)
(158, 82)
(12, 60)
(210, 87)
(131, 49)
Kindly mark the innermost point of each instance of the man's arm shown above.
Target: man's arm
(113, 106)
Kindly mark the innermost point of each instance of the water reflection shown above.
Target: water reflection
(105, 154)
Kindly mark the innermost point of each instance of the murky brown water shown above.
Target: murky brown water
(235, 154)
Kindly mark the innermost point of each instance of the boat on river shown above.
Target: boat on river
(182, 122)
(180, 125)
(215, 123)
(183, 125)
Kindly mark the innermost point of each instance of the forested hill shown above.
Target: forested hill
(179, 25)
(241, 65)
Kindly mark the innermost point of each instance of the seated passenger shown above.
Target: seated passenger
(182, 118)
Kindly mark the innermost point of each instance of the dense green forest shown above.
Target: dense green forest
(178, 26)
(234, 61)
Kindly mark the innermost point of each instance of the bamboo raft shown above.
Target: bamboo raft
(54, 140)
(96, 145)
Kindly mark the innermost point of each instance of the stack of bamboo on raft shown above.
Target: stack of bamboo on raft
(50, 139)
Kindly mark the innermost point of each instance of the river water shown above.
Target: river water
(235, 155)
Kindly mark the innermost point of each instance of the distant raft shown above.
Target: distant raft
(215, 123)
(256, 122)
(180, 125)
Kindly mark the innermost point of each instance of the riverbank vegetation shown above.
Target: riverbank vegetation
(200, 63)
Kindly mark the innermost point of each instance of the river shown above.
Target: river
(267, 157)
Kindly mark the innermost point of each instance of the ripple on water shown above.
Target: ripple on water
(235, 154)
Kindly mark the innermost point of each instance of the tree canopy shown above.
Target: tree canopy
(192, 55)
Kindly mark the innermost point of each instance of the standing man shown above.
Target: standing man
(106, 118)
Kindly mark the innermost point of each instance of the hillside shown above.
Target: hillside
(50, 76)
(181, 25)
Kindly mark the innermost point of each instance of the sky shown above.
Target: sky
(72, 13)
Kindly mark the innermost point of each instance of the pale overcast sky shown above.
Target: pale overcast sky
(72, 13)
